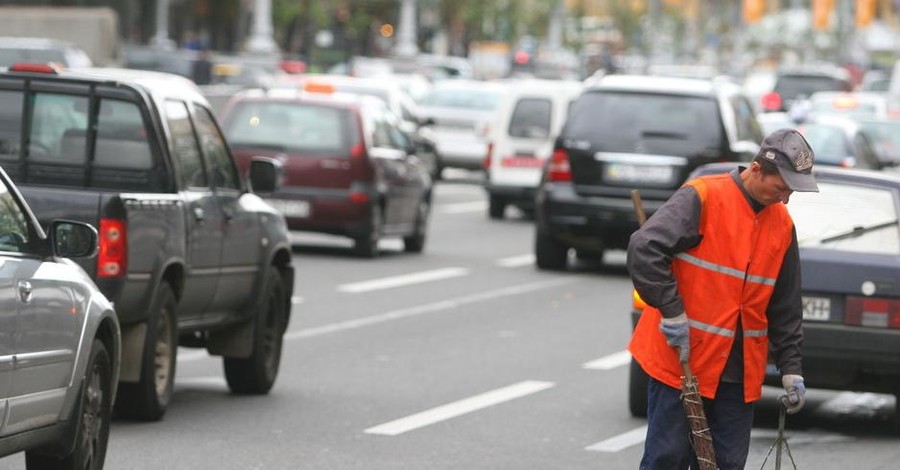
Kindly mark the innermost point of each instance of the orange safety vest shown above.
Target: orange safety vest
(730, 274)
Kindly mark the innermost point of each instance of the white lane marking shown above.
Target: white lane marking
(402, 280)
(459, 408)
(463, 207)
(516, 261)
(622, 441)
(423, 309)
(611, 361)
(202, 382)
(297, 300)
(191, 355)
(801, 437)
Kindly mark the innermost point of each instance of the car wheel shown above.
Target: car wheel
(148, 399)
(93, 419)
(416, 242)
(637, 390)
(367, 245)
(549, 253)
(256, 374)
(496, 207)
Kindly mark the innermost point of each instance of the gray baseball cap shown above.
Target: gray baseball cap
(793, 156)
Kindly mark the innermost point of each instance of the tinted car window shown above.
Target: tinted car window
(10, 124)
(121, 137)
(58, 129)
(646, 123)
(859, 206)
(531, 118)
(309, 129)
(791, 86)
(13, 228)
(224, 174)
(184, 146)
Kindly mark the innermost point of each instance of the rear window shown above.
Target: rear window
(295, 127)
(868, 221)
(531, 118)
(656, 124)
(829, 143)
(792, 86)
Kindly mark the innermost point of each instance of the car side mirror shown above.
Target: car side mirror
(71, 239)
(266, 174)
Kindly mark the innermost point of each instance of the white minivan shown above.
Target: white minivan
(521, 139)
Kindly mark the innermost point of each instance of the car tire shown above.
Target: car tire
(366, 246)
(549, 253)
(92, 415)
(415, 243)
(637, 390)
(256, 374)
(496, 208)
(148, 399)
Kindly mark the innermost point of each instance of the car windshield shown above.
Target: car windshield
(463, 98)
(868, 221)
(306, 128)
(828, 142)
(677, 125)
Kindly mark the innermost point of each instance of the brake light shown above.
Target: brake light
(637, 303)
(112, 257)
(771, 101)
(48, 68)
(487, 158)
(558, 169)
(873, 312)
(358, 151)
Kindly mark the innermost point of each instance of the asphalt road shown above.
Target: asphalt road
(464, 357)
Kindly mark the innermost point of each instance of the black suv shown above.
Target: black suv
(633, 132)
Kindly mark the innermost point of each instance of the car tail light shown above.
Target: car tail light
(637, 303)
(487, 158)
(49, 68)
(112, 257)
(558, 168)
(873, 311)
(771, 101)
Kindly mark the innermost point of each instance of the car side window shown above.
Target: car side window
(10, 124)
(185, 149)
(221, 166)
(121, 137)
(386, 134)
(14, 235)
(58, 129)
(745, 120)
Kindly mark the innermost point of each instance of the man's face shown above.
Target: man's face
(768, 189)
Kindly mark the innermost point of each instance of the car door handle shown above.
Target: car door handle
(25, 291)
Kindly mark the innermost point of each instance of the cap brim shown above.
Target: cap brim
(799, 182)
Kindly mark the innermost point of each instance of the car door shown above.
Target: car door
(203, 213)
(402, 171)
(48, 328)
(242, 242)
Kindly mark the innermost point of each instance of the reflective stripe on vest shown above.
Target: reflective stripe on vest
(767, 281)
(725, 331)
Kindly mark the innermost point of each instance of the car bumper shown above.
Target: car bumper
(521, 196)
(330, 211)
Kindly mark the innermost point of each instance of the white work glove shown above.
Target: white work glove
(676, 331)
(796, 392)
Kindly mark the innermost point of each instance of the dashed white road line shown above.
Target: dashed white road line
(620, 442)
(424, 309)
(611, 361)
(516, 261)
(463, 207)
(459, 408)
(402, 280)
(297, 300)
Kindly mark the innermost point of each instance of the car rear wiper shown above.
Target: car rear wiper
(858, 231)
(664, 134)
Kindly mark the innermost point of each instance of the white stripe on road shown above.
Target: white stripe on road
(622, 441)
(402, 280)
(452, 410)
(297, 300)
(424, 309)
(516, 261)
(463, 207)
(612, 361)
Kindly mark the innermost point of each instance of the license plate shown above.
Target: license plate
(627, 173)
(816, 308)
(297, 209)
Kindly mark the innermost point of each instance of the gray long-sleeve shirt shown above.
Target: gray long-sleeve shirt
(674, 228)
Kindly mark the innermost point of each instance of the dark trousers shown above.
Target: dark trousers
(668, 444)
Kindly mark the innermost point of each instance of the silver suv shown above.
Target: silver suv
(633, 132)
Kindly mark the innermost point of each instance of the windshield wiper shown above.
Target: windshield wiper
(858, 231)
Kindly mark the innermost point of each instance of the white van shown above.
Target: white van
(521, 139)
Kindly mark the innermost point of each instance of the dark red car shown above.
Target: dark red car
(348, 168)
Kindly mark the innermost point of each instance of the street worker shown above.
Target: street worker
(719, 268)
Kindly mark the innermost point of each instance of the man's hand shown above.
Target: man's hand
(677, 336)
(796, 392)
